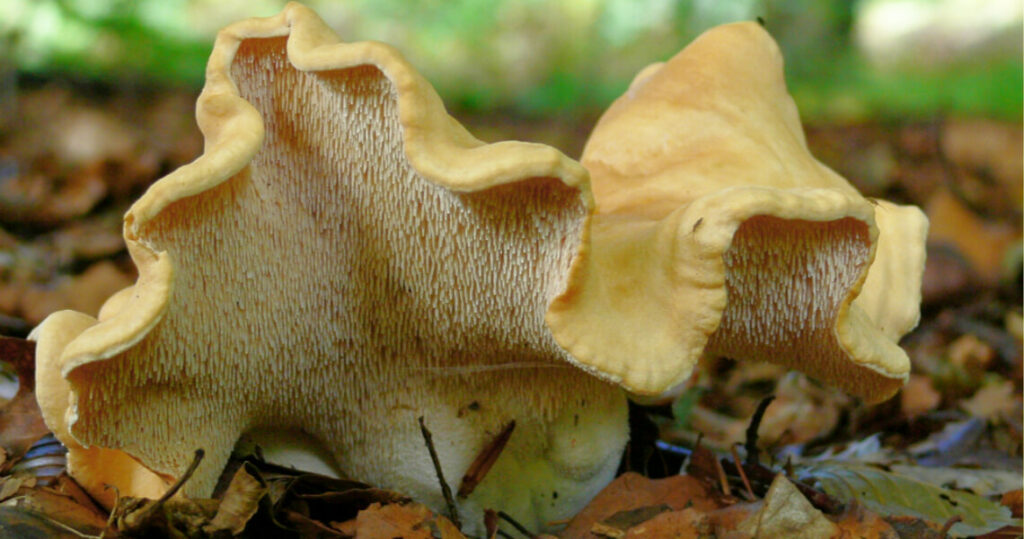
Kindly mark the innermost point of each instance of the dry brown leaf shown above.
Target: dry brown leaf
(18, 523)
(307, 527)
(239, 503)
(983, 243)
(971, 353)
(992, 401)
(409, 521)
(787, 513)
(45, 198)
(992, 150)
(1014, 501)
(89, 239)
(857, 521)
(632, 491)
(907, 526)
(616, 525)
(9, 485)
(802, 411)
(447, 529)
(948, 275)
(84, 293)
(1014, 325)
(60, 508)
(673, 524)
(919, 396)
(66, 486)
(21, 422)
(725, 520)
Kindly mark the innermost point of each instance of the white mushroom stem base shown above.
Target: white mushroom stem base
(547, 473)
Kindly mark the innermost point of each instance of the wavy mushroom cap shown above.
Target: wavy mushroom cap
(718, 233)
(343, 258)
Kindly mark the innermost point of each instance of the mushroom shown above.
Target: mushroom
(346, 258)
(717, 233)
(343, 259)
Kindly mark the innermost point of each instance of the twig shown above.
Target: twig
(519, 527)
(722, 478)
(184, 477)
(743, 475)
(755, 423)
(140, 518)
(485, 460)
(446, 491)
(949, 525)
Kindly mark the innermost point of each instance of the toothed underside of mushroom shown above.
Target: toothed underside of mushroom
(786, 281)
(330, 286)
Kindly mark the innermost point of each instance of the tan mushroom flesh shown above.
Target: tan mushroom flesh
(717, 233)
(342, 259)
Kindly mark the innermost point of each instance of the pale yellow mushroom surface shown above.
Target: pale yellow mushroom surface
(717, 233)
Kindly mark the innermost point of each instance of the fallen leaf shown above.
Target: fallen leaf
(240, 502)
(409, 521)
(633, 491)
(989, 153)
(948, 275)
(992, 401)
(616, 525)
(983, 482)
(61, 509)
(983, 243)
(857, 521)
(971, 353)
(787, 513)
(892, 494)
(1013, 500)
(46, 198)
(21, 422)
(919, 396)
(84, 293)
(948, 446)
(21, 523)
(675, 524)
(9, 485)
(907, 526)
(447, 529)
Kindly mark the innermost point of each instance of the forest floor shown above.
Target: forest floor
(944, 456)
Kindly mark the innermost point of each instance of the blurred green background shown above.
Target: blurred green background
(846, 60)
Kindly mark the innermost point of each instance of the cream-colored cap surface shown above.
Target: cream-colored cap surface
(342, 258)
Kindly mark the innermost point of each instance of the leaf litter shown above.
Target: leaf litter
(944, 458)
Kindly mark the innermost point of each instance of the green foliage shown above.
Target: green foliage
(683, 406)
(531, 56)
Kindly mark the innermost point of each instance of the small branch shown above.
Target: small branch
(722, 478)
(446, 491)
(485, 460)
(743, 475)
(755, 423)
(519, 527)
(949, 525)
(184, 477)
